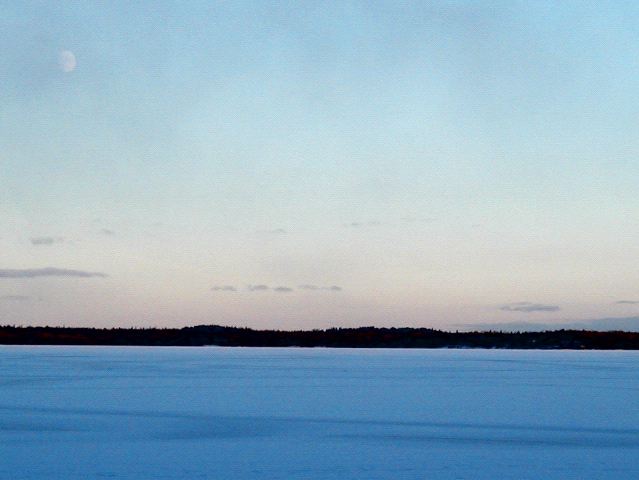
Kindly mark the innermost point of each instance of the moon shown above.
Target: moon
(67, 61)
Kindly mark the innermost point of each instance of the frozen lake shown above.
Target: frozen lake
(218, 413)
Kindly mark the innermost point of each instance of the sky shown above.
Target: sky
(307, 164)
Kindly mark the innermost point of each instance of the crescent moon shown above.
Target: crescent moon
(67, 61)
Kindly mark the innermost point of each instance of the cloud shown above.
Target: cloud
(224, 288)
(528, 307)
(257, 288)
(48, 272)
(283, 289)
(46, 240)
(106, 231)
(16, 298)
(370, 223)
(333, 288)
(627, 302)
(279, 289)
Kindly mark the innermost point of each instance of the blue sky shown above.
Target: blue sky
(440, 163)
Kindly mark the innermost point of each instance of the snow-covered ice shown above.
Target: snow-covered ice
(254, 413)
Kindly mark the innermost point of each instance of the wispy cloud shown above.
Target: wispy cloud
(283, 289)
(370, 223)
(39, 241)
(257, 288)
(627, 302)
(528, 307)
(279, 289)
(224, 288)
(333, 288)
(48, 272)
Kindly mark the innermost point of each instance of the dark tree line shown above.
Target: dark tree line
(364, 337)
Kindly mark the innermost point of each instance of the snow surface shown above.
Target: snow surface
(256, 413)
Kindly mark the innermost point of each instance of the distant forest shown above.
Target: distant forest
(363, 337)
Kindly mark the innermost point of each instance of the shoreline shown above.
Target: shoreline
(361, 337)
